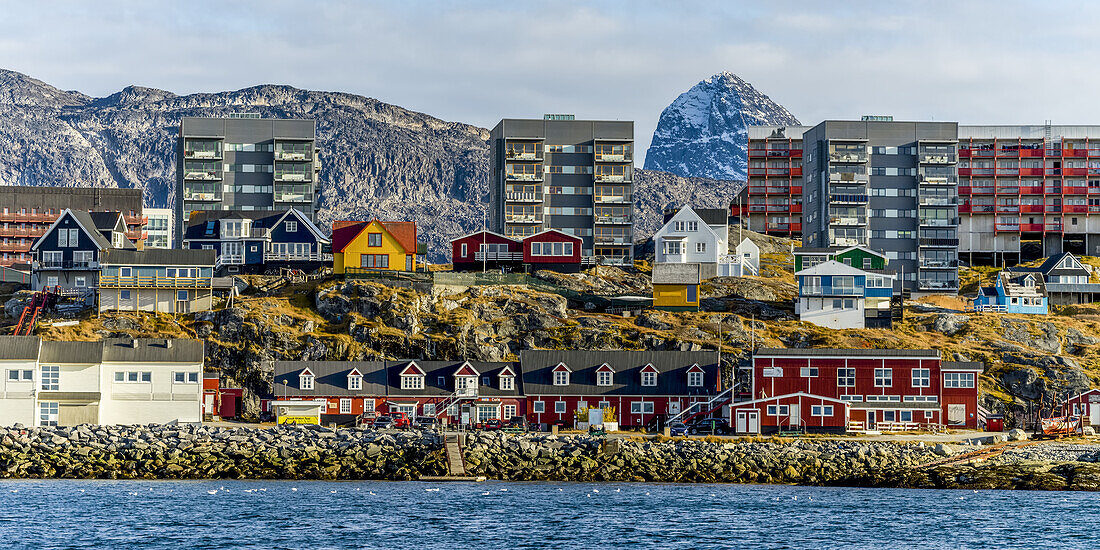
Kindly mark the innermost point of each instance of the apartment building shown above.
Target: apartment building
(772, 199)
(575, 176)
(888, 186)
(159, 229)
(245, 163)
(26, 212)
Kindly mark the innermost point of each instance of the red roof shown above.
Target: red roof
(605, 368)
(343, 232)
(649, 368)
(466, 370)
(696, 368)
(404, 233)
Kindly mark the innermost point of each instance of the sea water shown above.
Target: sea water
(414, 515)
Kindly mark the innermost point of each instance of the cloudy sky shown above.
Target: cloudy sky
(975, 62)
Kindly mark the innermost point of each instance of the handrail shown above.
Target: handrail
(723, 396)
(154, 281)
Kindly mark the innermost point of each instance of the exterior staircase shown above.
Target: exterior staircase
(703, 408)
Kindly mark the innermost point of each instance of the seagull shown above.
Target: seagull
(647, 493)
(595, 490)
(82, 490)
(504, 490)
(559, 490)
(485, 494)
(134, 494)
(589, 496)
(293, 488)
(617, 490)
(15, 490)
(212, 492)
(372, 492)
(433, 490)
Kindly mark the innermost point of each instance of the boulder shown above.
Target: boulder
(950, 324)
(1017, 434)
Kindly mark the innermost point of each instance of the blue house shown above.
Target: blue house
(836, 295)
(1014, 292)
(258, 241)
(67, 255)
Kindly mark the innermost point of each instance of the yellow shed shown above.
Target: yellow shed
(676, 286)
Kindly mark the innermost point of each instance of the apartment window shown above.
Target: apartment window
(603, 378)
(649, 378)
(641, 407)
(695, 379)
(80, 282)
(185, 377)
(292, 227)
(958, 380)
(921, 378)
(559, 407)
(50, 377)
(507, 383)
(305, 381)
(538, 407)
(561, 378)
(884, 378)
(821, 410)
(133, 376)
(374, 239)
(412, 382)
(809, 372)
(47, 414)
(846, 378)
(345, 405)
(779, 410)
(355, 382)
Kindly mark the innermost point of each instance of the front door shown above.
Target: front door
(208, 404)
(408, 262)
(742, 424)
(1094, 413)
(753, 422)
(956, 413)
(795, 418)
(871, 417)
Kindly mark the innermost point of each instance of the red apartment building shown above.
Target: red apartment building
(828, 390)
(772, 200)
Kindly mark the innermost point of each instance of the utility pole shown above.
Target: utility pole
(484, 237)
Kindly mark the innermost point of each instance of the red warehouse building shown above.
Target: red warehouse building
(485, 250)
(553, 250)
(642, 386)
(468, 392)
(1086, 405)
(883, 389)
(348, 388)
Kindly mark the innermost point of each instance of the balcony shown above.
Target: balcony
(939, 201)
(1075, 208)
(517, 176)
(848, 199)
(211, 196)
(291, 257)
(1008, 209)
(938, 179)
(522, 218)
(938, 264)
(937, 158)
(614, 199)
(843, 176)
(1007, 227)
(613, 220)
(153, 281)
(614, 157)
(1053, 209)
(939, 222)
(1025, 208)
(293, 176)
(937, 284)
(848, 220)
(523, 197)
(1075, 153)
(614, 178)
(202, 175)
(293, 197)
(1032, 227)
(1008, 190)
(1055, 227)
(202, 155)
(939, 243)
(848, 157)
(64, 264)
(498, 256)
(229, 259)
(1031, 190)
(977, 208)
(22, 232)
(612, 240)
(298, 156)
(826, 290)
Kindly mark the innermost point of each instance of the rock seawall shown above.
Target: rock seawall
(203, 452)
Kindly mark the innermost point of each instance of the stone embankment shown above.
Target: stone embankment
(203, 452)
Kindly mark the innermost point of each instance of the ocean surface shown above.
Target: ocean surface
(415, 515)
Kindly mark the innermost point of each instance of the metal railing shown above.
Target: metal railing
(153, 281)
(290, 257)
(523, 197)
(202, 175)
(65, 264)
(828, 290)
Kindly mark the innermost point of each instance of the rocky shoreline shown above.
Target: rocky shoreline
(204, 452)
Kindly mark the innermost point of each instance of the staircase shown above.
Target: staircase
(456, 464)
(703, 408)
(453, 399)
(29, 319)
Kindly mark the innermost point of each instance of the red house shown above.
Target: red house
(642, 386)
(884, 389)
(553, 250)
(485, 250)
(1086, 405)
(219, 401)
(348, 388)
(795, 411)
(468, 392)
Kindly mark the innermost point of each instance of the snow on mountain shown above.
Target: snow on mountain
(702, 133)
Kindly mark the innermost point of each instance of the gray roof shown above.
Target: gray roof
(59, 198)
(86, 221)
(672, 367)
(825, 250)
(676, 274)
(713, 216)
(963, 365)
(71, 352)
(856, 352)
(159, 256)
(18, 348)
(439, 379)
(106, 221)
(153, 350)
(330, 378)
(1072, 287)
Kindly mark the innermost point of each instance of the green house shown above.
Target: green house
(856, 256)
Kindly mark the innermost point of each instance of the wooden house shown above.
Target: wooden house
(374, 246)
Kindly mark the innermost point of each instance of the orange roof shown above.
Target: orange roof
(344, 232)
(404, 233)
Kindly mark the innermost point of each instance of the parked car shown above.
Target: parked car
(395, 420)
(716, 426)
(517, 423)
(492, 424)
(426, 423)
(677, 429)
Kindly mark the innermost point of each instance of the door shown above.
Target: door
(1094, 413)
(674, 408)
(795, 418)
(208, 404)
(871, 417)
(742, 424)
(408, 263)
(233, 252)
(753, 422)
(956, 413)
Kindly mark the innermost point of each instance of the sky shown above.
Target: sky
(974, 62)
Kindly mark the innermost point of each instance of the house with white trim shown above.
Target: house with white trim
(836, 295)
(691, 236)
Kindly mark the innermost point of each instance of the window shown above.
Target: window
(292, 227)
(412, 382)
(379, 261)
(124, 295)
(67, 238)
(700, 247)
(851, 398)
(605, 405)
(441, 381)
(867, 263)
(20, 375)
(603, 378)
(779, 410)
(929, 415)
(355, 382)
(673, 247)
(47, 414)
(463, 254)
(846, 378)
(429, 409)
(538, 407)
(345, 402)
(884, 378)
(368, 406)
(374, 239)
(958, 380)
(921, 378)
(134, 376)
(508, 383)
(561, 378)
(821, 410)
(888, 416)
(649, 378)
(484, 380)
(906, 416)
(559, 407)
(641, 407)
(181, 295)
(185, 377)
(50, 377)
(508, 412)
(809, 372)
(695, 379)
(305, 381)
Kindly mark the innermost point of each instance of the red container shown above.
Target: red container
(995, 423)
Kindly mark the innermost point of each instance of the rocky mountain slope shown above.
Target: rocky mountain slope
(702, 133)
(379, 160)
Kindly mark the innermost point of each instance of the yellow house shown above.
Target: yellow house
(374, 245)
(676, 286)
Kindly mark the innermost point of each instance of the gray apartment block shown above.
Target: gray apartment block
(575, 176)
(890, 186)
(245, 164)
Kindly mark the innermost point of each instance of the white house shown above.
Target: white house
(744, 261)
(836, 295)
(113, 381)
(694, 237)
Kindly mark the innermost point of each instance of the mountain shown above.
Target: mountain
(378, 160)
(702, 133)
